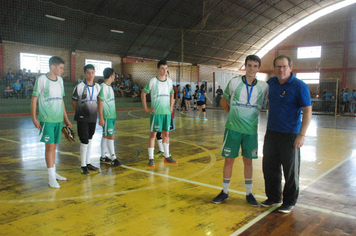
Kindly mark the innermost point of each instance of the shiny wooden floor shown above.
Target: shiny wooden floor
(172, 199)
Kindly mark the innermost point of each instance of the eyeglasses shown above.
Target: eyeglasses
(281, 67)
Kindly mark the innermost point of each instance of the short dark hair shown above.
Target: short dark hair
(55, 60)
(89, 66)
(108, 72)
(253, 58)
(161, 62)
(290, 62)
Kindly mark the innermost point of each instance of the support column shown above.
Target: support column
(2, 62)
(346, 49)
(72, 67)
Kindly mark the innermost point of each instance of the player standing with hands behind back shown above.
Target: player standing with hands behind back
(162, 101)
(107, 114)
(49, 92)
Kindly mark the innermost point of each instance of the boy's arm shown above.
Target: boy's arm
(172, 102)
(144, 103)
(66, 120)
(100, 111)
(33, 112)
(74, 104)
(224, 104)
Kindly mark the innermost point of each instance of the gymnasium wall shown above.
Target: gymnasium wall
(336, 34)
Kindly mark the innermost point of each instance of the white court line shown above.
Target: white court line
(255, 220)
(239, 231)
(129, 113)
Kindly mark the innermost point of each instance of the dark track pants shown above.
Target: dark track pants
(278, 153)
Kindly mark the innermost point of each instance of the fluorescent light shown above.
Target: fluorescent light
(117, 31)
(55, 17)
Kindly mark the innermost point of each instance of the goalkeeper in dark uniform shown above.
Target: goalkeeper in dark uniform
(85, 104)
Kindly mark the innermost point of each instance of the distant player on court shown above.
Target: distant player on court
(85, 104)
(107, 115)
(49, 92)
(245, 94)
(162, 101)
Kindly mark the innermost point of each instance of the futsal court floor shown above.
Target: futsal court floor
(172, 199)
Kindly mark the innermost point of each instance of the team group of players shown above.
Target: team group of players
(242, 100)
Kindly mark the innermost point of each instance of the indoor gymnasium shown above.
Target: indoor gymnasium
(201, 42)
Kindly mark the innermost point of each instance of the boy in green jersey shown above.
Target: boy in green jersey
(107, 114)
(162, 100)
(49, 93)
(242, 100)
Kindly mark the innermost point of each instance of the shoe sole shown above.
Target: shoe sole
(54, 187)
(170, 162)
(61, 179)
(285, 212)
(253, 205)
(221, 201)
(274, 204)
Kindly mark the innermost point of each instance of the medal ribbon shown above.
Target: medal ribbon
(249, 93)
(92, 92)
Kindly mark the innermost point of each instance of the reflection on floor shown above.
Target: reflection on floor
(172, 199)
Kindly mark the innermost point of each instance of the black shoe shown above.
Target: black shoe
(93, 168)
(251, 200)
(221, 197)
(285, 209)
(269, 203)
(105, 159)
(116, 162)
(84, 170)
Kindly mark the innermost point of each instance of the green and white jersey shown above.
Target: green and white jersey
(107, 95)
(160, 95)
(243, 117)
(50, 95)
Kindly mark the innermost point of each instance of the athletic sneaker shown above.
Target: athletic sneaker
(251, 200)
(285, 209)
(159, 154)
(221, 197)
(61, 178)
(170, 160)
(84, 170)
(93, 168)
(105, 159)
(116, 162)
(53, 184)
(269, 203)
(151, 163)
(205, 118)
(197, 118)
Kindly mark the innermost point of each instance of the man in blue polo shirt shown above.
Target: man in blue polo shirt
(288, 96)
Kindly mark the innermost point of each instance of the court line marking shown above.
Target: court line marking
(239, 231)
(255, 220)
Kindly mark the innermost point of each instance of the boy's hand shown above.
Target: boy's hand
(101, 122)
(69, 124)
(37, 124)
(150, 110)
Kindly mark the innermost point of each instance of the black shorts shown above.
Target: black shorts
(200, 103)
(86, 131)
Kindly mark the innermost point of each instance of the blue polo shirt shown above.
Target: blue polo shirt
(286, 102)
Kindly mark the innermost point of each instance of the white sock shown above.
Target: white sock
(83, 154)
(88, 152)
(52, 178)
(159, 141)
(58, 177)
(248, 185)
(111, 149)
(226, 185)
(166, 149)
(150, 152)
(103, 146)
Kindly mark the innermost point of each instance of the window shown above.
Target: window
(309, 78)
(309, 52)
(99, 65)
(34, 62)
